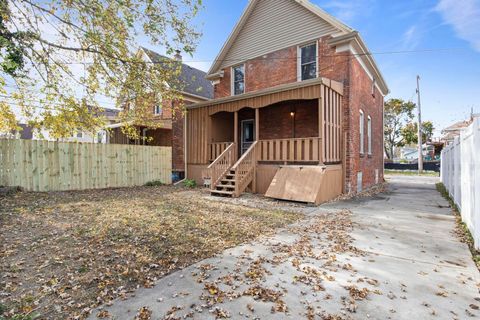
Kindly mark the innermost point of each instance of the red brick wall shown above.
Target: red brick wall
(281, 67)
(178, 142)
(360, 97)
(223, 89)
(161, 137)
(277, 123)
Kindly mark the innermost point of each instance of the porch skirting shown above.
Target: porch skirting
(331, 186)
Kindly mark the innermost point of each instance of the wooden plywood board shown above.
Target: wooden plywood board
(312, 184)
(332, 184)
(296, 183)
(265, 175)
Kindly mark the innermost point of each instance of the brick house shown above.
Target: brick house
(169, 116)
(297, 112)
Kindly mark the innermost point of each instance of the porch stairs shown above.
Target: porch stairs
(231, 179)
(226, 186)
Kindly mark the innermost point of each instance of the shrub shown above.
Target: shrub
(154, 183)
(189, 183)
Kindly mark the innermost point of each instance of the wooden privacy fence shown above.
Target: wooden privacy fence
(58, 166)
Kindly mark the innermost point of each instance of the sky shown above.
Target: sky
(444, 36)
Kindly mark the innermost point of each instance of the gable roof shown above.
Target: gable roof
(457, 126)
(192, 79)
(275, 16)
(316, 24)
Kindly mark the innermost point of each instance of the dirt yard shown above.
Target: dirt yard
(64, 253)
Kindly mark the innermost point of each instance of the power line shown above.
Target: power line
(32, 100)
(290, 58)
(39, 101)
(349, 58)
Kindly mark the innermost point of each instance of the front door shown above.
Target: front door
(248, 134)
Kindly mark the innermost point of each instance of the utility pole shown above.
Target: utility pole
(420, 133)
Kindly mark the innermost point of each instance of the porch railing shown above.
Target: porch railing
(217, 169)
(290, 150)
(245, 169)
(215, 149)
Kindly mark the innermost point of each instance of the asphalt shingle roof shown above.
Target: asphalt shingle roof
(192, 79)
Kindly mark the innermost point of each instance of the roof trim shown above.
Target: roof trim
(354, 39)
(246, 14)
(335, 85)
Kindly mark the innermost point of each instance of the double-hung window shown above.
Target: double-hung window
(158, 109)
(307, 62)
(369, 135)
(238, 79)
(362, 132)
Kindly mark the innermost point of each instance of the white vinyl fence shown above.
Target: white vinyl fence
(460, 174)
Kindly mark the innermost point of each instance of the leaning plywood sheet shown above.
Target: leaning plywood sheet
(297, 183)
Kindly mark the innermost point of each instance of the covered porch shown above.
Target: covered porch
(287, 133)
(246, 140)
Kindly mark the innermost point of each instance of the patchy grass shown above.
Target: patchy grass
(412, 173)
(64, 253)
(461, 229)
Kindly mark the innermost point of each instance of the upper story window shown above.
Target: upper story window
(362, 132)
(238, 79)
(158, 109)
(369, 135)
(307, 62)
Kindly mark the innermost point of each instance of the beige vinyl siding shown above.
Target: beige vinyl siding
(274, 25)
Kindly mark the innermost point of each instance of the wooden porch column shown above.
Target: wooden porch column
(257, 124)
(320, 130)
(235, 134)
(255, 155)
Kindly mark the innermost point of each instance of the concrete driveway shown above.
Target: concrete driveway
(392, 256)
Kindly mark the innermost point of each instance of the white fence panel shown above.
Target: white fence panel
(460, 174)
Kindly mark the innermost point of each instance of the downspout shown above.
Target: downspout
(144, 135)
(184, 150)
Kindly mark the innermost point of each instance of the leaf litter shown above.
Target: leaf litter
(65, 253)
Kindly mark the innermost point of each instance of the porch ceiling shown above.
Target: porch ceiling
(305, 90)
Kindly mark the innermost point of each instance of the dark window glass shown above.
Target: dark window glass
(309, 71)
(309, 62)
(309, 53)
(239, 79)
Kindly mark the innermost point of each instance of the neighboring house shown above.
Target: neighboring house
(29, 133)
(100, 136)
(298, 108)
(25, 132)
(410, 153)
(453, 131)
(170, 130)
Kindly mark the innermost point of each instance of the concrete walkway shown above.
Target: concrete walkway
(392, 256)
